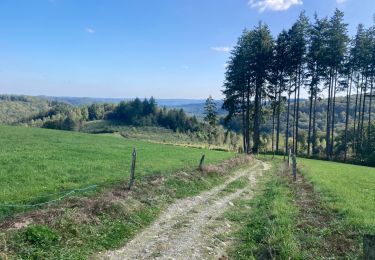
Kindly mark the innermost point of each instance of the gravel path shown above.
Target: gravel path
(190, 228)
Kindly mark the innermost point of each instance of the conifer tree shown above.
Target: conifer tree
(210, 111)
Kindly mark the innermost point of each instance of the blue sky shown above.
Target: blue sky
(129, 48)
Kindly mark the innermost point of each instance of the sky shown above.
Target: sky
(138, 48)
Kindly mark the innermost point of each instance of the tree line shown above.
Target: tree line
(147, 113)
(265, 77)
(136, 112)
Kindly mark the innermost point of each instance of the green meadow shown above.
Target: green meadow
(348, 189)
(38, 162)
(324, 217)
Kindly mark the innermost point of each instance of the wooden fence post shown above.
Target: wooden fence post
(132, 169)
(201, 163)
(294, 167)
(289, 155)
(369, 247)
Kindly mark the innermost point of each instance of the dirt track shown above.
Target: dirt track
(191, 228)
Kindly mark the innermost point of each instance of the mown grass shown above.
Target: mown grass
(265, 224)
(37, 162)
(86, 227)
(347, 189)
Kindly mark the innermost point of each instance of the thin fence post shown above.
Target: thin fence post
(368, 247)
(201, 163)
(132, 169)
(294, 167)
(289, 154)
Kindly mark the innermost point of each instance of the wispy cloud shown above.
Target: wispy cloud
(185, 67)
(274, 5)
(340, 1)
(90, 30)
(225, 49)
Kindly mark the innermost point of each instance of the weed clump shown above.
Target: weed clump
(42, 236)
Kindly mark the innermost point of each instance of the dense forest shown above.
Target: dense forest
(265, 77)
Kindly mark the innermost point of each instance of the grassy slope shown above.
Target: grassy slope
(295, 220)
(347, 188)
(36, 162)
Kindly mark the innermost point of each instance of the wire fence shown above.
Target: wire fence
(65, 194)
(62, 196)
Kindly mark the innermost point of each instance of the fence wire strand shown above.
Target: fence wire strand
(67, 194)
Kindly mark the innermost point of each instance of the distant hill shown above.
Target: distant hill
(15, 108)
(79, 101)
(190, 106)
(197, 109)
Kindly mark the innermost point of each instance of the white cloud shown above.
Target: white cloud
(185, 67)
(274, 5)
(340, 1)
(221, 49)
(90, 30)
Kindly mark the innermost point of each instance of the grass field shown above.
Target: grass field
(324, 217)
(79, 227)
(37, 162)
(267, 230)
(349, 189)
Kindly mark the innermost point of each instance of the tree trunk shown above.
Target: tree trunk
(310, 119)
(333, 114)
(248, 120)
(257, 115)
(358, 140)
(294, 121)
(297, 113)
(244, 123)
(363, 115)
(287, 125)
(328, 129)
(355, 119)
(369, 117)
(314, 126)
(348, 93)
(359, 118)
(278, 121)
